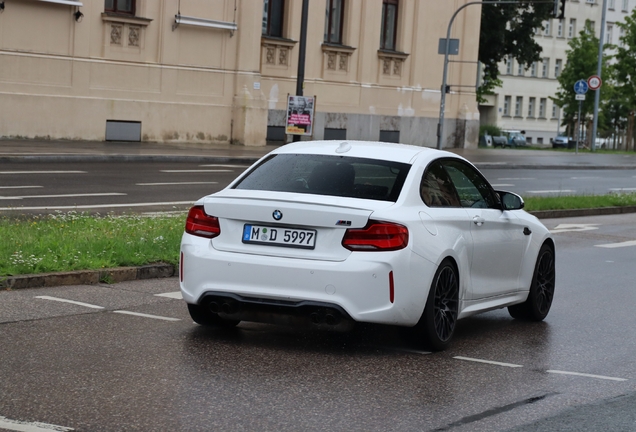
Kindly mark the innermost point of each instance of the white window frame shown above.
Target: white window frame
(531, 103)
(545, 67)
(518, 106)
(506, 107)
(558, 65)
(572, 28)
(542, 106)
(560, 28)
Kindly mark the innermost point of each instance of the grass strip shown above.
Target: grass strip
(79, 241)
(568, 202)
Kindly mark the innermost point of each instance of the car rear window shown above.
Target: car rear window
(328, 175)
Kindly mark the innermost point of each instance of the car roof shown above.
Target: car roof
(364, 149)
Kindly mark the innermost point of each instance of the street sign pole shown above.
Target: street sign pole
(578, 128)
(599, 66)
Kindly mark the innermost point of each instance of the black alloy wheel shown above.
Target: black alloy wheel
(541, 294)
(440, 314)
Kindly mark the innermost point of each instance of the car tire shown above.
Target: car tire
(438, 321)
(539, 301)
(204, 317)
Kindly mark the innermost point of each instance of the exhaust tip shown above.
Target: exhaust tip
(315, 318)
(228, 308)
(331, 319)
(214, 307)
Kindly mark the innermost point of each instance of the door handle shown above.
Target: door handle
(479, 221)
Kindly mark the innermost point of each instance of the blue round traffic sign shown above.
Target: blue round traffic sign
(580, 87)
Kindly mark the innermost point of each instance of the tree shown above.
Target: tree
(625, 70)
(508, 30)
(582, 62)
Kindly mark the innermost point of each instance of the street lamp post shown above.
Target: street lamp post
(599, 66)
(301, 54)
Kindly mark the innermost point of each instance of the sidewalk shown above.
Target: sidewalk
(15, 151)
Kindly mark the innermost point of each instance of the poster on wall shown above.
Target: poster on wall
(300, 115)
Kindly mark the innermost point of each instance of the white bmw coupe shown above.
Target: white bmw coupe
(329, 233)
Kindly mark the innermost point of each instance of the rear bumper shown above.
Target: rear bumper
(359, 286)
(323, 316)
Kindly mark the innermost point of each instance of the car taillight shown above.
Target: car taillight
(376, 236)
(200, 224)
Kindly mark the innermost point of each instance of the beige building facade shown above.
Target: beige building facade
(212, 71)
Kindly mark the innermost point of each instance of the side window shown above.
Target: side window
(437, 189)
(333, 21)
(473, 189)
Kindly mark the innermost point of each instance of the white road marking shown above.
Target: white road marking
(574, 227)
(175, 183)
(146, 315)
(20, 187)
(551, 191)
(97, 206)
(197, 171)
(584, 178)
(515, 178)
(488, 362)
(225, 166)
(502, 185)
(61, 196)
(622, 189)
(174, 295)
(586, 375)
(17, 425)
(43, 172)
(490, 163)
(69, 301)
(618, 245)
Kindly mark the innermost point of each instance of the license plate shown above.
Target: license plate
(279, 236)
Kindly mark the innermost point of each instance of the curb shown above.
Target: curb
(603, 211)
(88, 277)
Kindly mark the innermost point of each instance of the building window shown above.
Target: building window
(273, 11)
(333, 21)
(506, 108)
(509, 61)
(542, 104)
(609, 34)
(547, 28)
(518, 106)
(531, 103)
(533, 69)
(591, 1)
(558, 65)
(389, 24)
(625, 7)
(520, 69)
(555, 110)
(621, 35)
(589, 26)
(611, 4)
(120, 6)
(572, 28)
(545, 67)
(560, 28)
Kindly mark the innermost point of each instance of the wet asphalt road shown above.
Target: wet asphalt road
(91, 369)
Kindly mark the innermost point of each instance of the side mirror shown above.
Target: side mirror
(510, 201)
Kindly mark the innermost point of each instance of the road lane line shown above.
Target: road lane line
(175, 183)
(20, 187)
(622, 189)
(97, 206)
(146, 315)
(69, 301)
(515, 178)
(175, 295)
(224, 166)
(501, 185)
(618, 245)
(43, 172)
(551, 191)
(586, 375)
(17, 425)
(488, 362)
(62, 196)
(197, 171)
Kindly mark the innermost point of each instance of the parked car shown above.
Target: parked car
(515, 138)
(326, 234)
(561, 141)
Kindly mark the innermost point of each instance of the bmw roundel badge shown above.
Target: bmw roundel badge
(277, 215)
